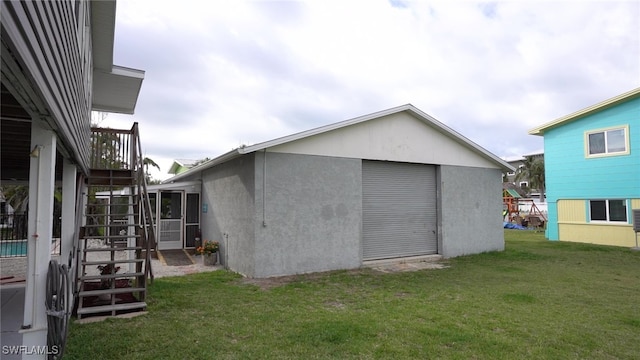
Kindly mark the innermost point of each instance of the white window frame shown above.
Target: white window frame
(626, 151)
(608, 213)
(524, 183)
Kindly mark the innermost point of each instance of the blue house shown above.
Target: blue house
(592, 167)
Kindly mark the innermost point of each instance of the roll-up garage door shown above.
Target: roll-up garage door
(399, 210)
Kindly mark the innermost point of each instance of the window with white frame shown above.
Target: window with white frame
(608, 210)
(612, 141)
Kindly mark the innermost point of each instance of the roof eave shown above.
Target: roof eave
(586, 111)
(407, 107)
(103, 24)
(204, 166)
(116, 91)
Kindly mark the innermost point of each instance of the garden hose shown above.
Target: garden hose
(58, 308)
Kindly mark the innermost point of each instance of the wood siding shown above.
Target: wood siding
(47, 60)
(602, 234)
(572, 211)
(571, 175)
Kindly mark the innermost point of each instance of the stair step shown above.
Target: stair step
(110, 308)
(112, 237)
(110, 276)
(111, 291)
(108, 215)
(115, 248)
(113, 224)
(131, 261)
(114, 183)
(114, 205)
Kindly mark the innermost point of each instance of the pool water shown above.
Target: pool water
(18, 248)
(13, 248)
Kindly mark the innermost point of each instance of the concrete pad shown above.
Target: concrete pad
(102, 318)
(413, 263)
(11, 317)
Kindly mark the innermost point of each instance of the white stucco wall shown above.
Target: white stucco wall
(397, 137)
(228, 193)
(312, 212)
(470, 219)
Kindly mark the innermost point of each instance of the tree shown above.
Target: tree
(17, 196)
(533, 170)
(146, 162)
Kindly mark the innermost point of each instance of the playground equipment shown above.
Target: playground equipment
(513, 202)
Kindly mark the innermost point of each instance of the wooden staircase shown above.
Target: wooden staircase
(116, 239)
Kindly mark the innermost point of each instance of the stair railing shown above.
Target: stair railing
(147, 226)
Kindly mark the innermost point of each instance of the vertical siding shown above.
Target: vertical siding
(55, 66)
(572, 211)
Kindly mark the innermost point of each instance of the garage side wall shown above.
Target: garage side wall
(471, 208)
(312, 209)
(228, 195)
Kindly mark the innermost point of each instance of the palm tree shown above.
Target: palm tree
(533, 170)
(146, 162)
(17, 196)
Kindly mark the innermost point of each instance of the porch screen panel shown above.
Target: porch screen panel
(192, 219)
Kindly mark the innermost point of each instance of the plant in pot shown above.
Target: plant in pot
(209, 251)
(107, 269)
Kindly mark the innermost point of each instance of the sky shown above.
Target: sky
(221, 74)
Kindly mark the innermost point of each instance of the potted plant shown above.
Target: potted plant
(107, 269)
(209, 251)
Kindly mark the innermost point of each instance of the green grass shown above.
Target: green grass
(536, 300)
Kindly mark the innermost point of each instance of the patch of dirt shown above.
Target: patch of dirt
(277, 281)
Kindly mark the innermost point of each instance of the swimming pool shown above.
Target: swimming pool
(18, 248)
(13, 248)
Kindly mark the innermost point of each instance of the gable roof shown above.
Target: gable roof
(342, 124)
(178, 163)
(587, 111)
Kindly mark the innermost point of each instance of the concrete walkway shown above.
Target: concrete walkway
(12, 299)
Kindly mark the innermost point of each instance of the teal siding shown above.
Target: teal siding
(570, 175)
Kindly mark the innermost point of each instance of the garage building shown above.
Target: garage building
(394, 184)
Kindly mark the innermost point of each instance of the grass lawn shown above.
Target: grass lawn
(536, 300)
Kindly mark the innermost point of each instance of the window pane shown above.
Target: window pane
(618, 210)
(596, 143)
(598, 210)
(615, 140)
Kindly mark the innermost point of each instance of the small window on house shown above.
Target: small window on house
(605, 142)
(511, 173)
(608, 210)
(524, 184)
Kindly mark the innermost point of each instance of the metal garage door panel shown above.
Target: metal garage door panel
(399, 210)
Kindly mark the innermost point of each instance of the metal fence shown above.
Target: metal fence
(14, 235)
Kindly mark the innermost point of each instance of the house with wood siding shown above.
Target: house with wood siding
(592, 167)
(57, 67)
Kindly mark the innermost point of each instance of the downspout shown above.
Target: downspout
(35, 153)
(264, 187)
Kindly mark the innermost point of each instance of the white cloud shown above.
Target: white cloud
(224, 73)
